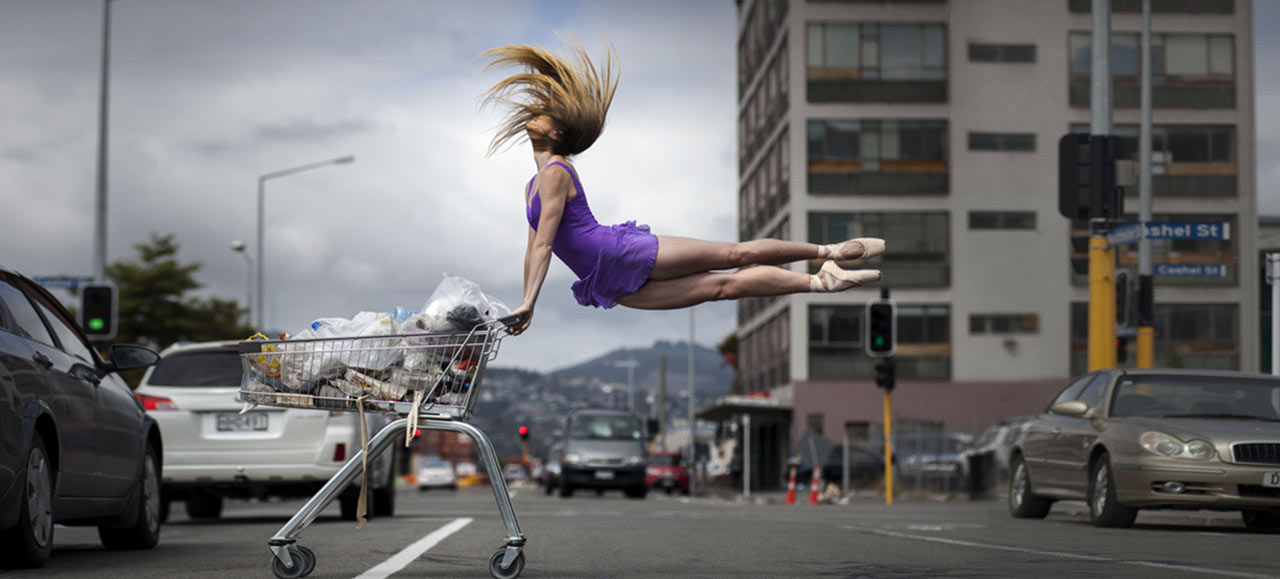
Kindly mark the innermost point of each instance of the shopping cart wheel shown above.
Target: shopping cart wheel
(304, 562)
(495, 565)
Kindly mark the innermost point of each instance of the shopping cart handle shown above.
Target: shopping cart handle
(511, 320)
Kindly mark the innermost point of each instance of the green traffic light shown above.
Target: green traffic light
(879, 341)
(97, 324)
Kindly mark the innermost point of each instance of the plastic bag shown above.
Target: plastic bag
(456, 305)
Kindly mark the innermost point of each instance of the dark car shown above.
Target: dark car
(603, 449)
(76, 447)
(549, 478)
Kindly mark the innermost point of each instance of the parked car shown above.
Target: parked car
(666, 471)
(866, 466)
(1126, 440)
(603, 449)
(932, 458)
(514, 472)
(213, 451)
(989, 453)
(436, 473)
(67, 416)
(550, 479)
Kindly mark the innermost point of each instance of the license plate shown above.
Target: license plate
(604, 474)
(1271, 479)
(235, 422)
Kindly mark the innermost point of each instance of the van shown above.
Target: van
(603, 450)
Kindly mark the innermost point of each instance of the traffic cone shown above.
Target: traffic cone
(813, 487)
(791, 487)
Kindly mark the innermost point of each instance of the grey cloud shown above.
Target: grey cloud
(311, 130)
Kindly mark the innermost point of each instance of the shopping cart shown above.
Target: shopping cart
(429, 380)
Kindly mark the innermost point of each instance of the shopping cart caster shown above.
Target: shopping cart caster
(495, 565)
(304, 562)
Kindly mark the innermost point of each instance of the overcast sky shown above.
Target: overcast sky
(207, 96)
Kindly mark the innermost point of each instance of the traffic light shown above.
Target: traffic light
(1087, 177)
(1122, 350)
(885, 375)
(98, 311)
(882, 326)
(524, 433)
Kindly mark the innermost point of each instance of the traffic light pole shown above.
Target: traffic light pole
(1146, 334)
(1102, 261)
(888, 449)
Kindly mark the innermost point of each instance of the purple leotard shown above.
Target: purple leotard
(610, 261)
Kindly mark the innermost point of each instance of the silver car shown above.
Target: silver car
(212, 451)
(1125, 440)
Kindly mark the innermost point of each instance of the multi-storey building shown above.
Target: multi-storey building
(935, 125)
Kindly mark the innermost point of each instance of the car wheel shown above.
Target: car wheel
(30, 542)
(145, 531)
(566, 491)
(1104, 510)
(1023, 503)
(1261, 520)
(637, 492)
(205, 507)
(350, 500)
(165, 503)
(384, 499)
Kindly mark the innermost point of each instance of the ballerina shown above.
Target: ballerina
(559, 104)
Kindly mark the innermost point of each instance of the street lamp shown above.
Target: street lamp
(238, 247)
(630, 365)
(262, 182)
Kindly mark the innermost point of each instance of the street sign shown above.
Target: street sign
(1126, 232)
(62, 281)
(1212, 270)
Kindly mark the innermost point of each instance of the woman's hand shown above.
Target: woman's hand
(526, 315)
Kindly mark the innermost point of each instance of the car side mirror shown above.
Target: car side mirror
(1072, 408)
(129, 357)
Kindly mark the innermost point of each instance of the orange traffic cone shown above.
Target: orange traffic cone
(791, 487)
(813, 487)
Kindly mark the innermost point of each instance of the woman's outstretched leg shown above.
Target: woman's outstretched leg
(682, 256)
(760, 281)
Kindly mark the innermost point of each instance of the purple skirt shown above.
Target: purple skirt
(623, 265)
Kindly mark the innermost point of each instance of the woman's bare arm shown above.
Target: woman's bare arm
(554, 193)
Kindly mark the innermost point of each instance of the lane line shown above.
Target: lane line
(1095, 558)
(412, 552)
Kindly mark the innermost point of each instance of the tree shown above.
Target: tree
(154, 308)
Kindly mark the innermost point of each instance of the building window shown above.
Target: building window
(1203, 336)
(1186, 160)
(1002, 142)
(1187, 70)
(1002, 220)
(876, 62)
(1161, 6)
(992, 324)
(877, 156)
(836, 348)
(1002, 52)
(921, 240)
(763, 354)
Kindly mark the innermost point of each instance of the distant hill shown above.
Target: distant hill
(712, 374)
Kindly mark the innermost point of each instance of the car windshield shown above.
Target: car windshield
(219, 368)
(434, 463)
(598, 427)
(1175, 396)
(664, 460)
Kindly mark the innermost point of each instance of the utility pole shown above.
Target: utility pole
(1102, 260)
(1146, 307)
(662, 402)
(1273, 276)
(693, 426)
(100, 199)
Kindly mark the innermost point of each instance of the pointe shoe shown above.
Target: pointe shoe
(831, 278)
(853, 249)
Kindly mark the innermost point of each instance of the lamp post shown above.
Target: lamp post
(630, 365)
(262, 183)
(238, 247)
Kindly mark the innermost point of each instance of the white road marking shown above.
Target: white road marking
(412, 552)
(1169, 566)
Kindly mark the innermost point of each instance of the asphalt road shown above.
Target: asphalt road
(612, 536)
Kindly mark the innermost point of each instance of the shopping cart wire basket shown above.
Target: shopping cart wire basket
(429, 380)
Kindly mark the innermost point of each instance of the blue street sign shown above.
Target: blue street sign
(1214, 270)
(1124, 233)
(62, 281)
(1130, 231)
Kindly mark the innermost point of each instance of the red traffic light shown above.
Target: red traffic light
(524, 431)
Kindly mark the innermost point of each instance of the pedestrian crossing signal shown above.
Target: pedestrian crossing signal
(881, 326)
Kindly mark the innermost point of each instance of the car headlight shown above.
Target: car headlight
(573, 458)
(634, 460)
(1166, 445)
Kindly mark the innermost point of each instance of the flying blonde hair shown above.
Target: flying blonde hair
(568, 88)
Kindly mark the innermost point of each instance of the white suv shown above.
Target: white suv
(212, 451)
